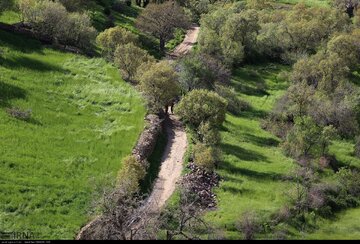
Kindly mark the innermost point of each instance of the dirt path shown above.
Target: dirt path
(187, 44)
(171, 165)
(171, 162)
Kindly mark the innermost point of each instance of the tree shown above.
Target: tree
(5, 4)
(202, 106)
(304, 28)
(307, 139)
(180, 221)
(129, 58)
(52, 20)
(159, 85)
(348, 6)
(347, 47)
(109, 39)
(201, 71)
(161, 20)
(238, 35)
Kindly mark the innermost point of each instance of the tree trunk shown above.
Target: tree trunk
(162, 44)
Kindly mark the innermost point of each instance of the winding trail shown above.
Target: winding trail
(172, 158)
(171, 162)
(188, 43)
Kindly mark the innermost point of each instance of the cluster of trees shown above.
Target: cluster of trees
(52, 19)
(246, 30)
(6, 4)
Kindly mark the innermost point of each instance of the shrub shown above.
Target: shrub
(52, 19)
(129, 58)
(131, 173)
(19, 113)
(205, 157)
(111, 38)
(208, 135)
(249, 225)
(307, 139)
(235, 105)
(202, 106)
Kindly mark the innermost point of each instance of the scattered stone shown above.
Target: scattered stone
(202, 184)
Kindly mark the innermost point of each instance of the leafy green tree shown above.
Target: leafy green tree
(197, 71)
(129, 58)
(109, 39)
(161, 21)
(201, 106)
(347, 47)
(159, 85)
(303, 29)
(238, 35)
(307, 139)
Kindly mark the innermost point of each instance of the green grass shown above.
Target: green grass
(85, 119)
(345, 226)
(253, 163)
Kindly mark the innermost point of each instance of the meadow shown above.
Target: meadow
(56, 165)
(254, 168)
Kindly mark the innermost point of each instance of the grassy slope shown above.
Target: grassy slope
(84, 120)
(254, 164)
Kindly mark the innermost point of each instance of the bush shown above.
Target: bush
(19, 113)
(131, 173)
(129, 58)
(51, 19)
(202, 106)
(249, 225)
(205, 157)
(111, 38)
(235, 105)
(208, 135)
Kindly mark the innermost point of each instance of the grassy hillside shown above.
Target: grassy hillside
(85, 119)
(254, 165)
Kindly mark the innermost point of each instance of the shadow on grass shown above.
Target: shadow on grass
(20, 43)
(253, 113)
(243, 154)
(261, 141)
(235, 190)
(261, 176)
(29, 63)
(9, 92)
(249, 82)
